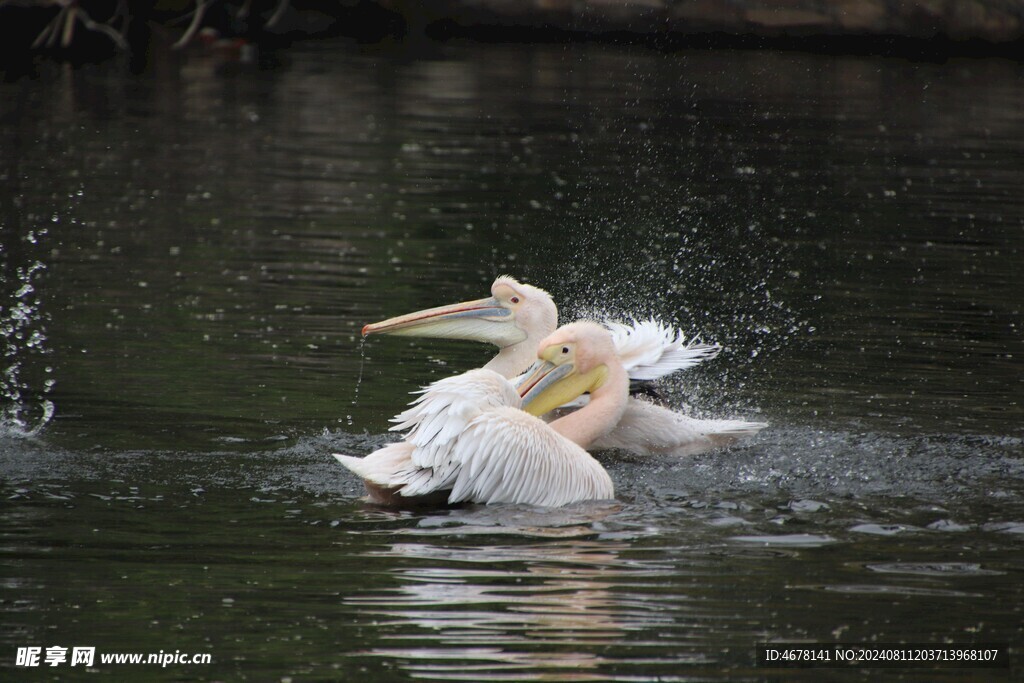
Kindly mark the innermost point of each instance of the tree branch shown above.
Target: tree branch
(197, 20)
(105, 29)
(278, 13)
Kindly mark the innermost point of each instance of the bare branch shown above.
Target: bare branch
(103, 28)
(278, 13)
(69, 27)
(197, 20)
(58, 22)
(62, 27)
(43, 35)
(48, 35)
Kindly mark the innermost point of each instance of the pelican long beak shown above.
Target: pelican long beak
(546, 386)
(481, 320)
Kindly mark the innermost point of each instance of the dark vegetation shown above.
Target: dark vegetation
(96, 30)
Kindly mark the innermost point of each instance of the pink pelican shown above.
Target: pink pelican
(474, 437)
(517, 316)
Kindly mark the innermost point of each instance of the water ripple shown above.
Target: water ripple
(933, 569)
(883, 589)
(788, 540)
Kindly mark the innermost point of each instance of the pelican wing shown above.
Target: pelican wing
(383, 467)
(391, 470)
(508, 456)
(649, 349)
(646, 428)
(444, 410)
(502, 456)
(386, 471)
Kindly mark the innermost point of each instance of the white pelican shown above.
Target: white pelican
(473, 439)
(516, 316)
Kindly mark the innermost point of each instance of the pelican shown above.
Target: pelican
(474, 437)
(517, 316)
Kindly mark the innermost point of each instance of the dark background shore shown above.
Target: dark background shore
(927, 29)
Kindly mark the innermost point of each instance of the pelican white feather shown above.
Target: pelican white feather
(469, 439)
(650, 349)
(649, 429)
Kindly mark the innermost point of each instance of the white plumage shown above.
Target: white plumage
(648, 429)
(469, 441)
(517, 316)
(649, 349)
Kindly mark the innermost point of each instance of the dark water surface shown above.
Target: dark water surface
(188, 257)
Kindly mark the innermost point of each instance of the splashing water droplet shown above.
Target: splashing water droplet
(24, 410)
(359, 378)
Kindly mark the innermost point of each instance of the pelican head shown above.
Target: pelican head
(574, 360)
(512, 313)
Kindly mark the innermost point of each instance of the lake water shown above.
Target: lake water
(189, 255)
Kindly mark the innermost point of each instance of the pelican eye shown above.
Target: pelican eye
(514, 299)
(565, 349)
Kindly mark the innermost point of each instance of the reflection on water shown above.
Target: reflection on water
(561, 595)
(633, 595)
(848, 228)
(491, 611)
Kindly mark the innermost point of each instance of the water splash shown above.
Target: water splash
(25, 407)
(359, 378)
